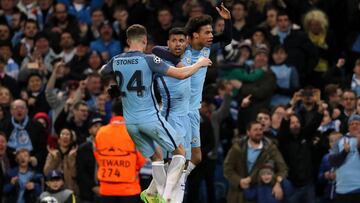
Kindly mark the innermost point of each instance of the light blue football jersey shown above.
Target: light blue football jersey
(197, 80)
(175, 95)
(134, 74)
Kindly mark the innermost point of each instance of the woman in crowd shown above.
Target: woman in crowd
(63, 158)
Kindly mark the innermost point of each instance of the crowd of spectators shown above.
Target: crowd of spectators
(281, 99)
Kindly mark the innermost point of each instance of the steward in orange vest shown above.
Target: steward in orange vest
(118, 161)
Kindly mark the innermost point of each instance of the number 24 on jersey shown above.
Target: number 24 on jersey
(135, 83)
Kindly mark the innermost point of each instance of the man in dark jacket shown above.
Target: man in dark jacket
(243, 161)
(295, 143)
(301, 52)
(78, 122)
(86, 163)
(349, 104)
(260, 91)
(25, 133)
(59, 23)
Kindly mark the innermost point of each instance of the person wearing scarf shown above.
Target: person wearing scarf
(23, 132)
(19, 137)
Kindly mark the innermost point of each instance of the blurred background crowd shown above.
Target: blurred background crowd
(293, 66)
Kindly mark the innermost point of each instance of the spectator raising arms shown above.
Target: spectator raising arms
(63, 158)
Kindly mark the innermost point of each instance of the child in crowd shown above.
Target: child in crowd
(263, 191)
(23, 184)
(327, 173)
(287, 78)
(56, 192)
(328, 124)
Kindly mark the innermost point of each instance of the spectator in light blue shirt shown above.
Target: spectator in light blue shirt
(12, 68)
(345, 157)
(106, 44)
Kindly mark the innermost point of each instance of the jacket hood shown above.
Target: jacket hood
(45, 117)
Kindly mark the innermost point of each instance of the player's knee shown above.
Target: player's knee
(196, 155)
(157, 156)
(180, 150)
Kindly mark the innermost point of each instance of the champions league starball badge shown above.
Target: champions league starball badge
(157, 60)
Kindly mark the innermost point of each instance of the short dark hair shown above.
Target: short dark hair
(120, 8)
(351, 91)
(264, 111)
(177, 31)
(330, 90)
(249, 125)
(282, 13)
(31, 21)
(220, 85)
(279, 48)
(95, 10)
(16, 11)
(241, 2)
(59, 3)
(276, 107)
(93, 75)
(69, 33)
(164, 8)
(135, 31)
(194, 24)
(80, 103)
(272, 8)
(21, 150)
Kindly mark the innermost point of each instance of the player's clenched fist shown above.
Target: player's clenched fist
(204, 61)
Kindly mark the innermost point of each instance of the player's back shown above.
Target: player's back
(197, 80)
(135, 79)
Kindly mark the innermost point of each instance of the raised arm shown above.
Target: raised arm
(337, 157)
(50, 93)
(226, 36)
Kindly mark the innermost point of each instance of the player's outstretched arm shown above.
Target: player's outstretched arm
(226, 36)
(185, 72)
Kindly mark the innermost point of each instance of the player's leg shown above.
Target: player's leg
(158, 171)
(147, 148)
(185, 126)
(195, 140)
(171, 141)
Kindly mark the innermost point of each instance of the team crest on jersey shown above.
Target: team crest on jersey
(157, 60)
(205, 52)
(188, 60)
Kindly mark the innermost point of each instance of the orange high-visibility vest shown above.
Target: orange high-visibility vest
(118, 160)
